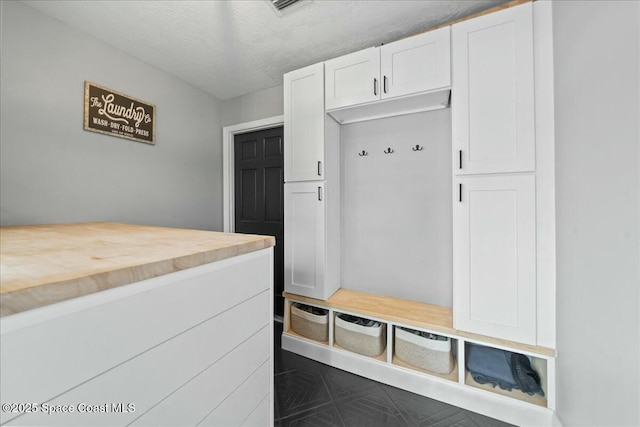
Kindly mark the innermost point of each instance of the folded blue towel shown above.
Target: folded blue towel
(481, 379)
(490, 365)
(502, 368)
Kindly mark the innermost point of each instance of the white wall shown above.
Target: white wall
(597, 78)
(253, 106)
(53, 171)
(396, 208)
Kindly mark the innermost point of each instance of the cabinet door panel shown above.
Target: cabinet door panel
(416, 64)
(304, 239)
(493, 96)
(495, 258)
(304, 123)
(353, 79)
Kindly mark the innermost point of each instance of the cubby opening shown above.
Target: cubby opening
(425, 352)
(308, 321)
(360, 335)
(488, 367)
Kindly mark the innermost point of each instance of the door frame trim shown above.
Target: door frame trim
(228, 183)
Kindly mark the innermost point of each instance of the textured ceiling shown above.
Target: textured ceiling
(229, 48)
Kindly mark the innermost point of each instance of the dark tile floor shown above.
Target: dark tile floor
(308, 393)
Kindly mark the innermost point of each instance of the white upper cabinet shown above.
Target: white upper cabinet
(493, 93)
(304, 124)
(416, 64)
(353, 79)
(409, 66)
(494, 257)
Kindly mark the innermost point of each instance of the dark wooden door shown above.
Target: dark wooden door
(259, 200)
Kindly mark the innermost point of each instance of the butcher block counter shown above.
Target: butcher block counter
(44, 264)
(114, 324)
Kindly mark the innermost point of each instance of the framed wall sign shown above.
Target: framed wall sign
(113, 113)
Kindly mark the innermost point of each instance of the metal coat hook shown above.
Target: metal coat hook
(364, 153)
(388, 151)
(417, 148)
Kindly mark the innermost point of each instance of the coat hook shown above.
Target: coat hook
(388, 151)
(417, 148)
(364, 153)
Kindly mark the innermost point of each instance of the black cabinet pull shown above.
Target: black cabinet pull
(384, 84)
(319, 168)
(459, 159)
(375, 86)
(460, 192)
(319, 194)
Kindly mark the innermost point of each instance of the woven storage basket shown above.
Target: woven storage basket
(366, 340)
(314, 326)
(425, 353)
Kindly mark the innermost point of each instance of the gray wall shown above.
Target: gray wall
(253, 106)
(53, 171)
(597, 75)
(396, 208)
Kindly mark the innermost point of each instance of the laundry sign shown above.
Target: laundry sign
(113, 113)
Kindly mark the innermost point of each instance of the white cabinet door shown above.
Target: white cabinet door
(304, 124)
(353, 79)
(493, 93)
(304, 229)
(494, 257)
(416, 64)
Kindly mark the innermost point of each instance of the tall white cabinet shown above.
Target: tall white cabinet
(311, 196)
(494, 163)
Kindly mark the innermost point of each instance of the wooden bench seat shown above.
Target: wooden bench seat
(411, 313)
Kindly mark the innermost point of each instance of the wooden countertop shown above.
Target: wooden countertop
(45, 264)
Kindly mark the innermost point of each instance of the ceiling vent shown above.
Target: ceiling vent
(283, 4)
(282, 7)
